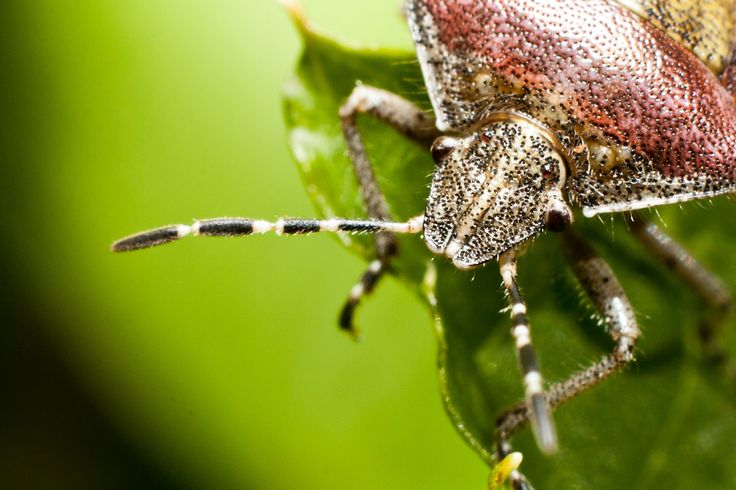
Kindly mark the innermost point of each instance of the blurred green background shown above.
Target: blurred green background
(208, 363)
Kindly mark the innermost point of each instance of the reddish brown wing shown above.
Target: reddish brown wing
(610, 70)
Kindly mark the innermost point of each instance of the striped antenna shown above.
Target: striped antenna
(233, 227)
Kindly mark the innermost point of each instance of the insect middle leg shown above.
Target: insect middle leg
(410, 121)
(601, 285)
(709, 287)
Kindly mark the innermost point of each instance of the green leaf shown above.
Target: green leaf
(666, 422)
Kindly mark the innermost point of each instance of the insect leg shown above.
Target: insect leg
(536, 404)
(232, 227)
(410, 121)
(601, 285)
(709, 287)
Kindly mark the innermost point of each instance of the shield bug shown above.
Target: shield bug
(541, 107)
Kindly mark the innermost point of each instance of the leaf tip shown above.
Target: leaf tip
(295, 10)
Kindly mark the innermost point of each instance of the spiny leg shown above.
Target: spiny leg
(709, 287)
(601, 285)
(541, 419)
(234, 227)
(410, 121)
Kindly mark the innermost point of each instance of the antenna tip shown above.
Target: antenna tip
(150, 238)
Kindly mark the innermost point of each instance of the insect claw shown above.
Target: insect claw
(362, 288)
(543, 425)
(346, 320)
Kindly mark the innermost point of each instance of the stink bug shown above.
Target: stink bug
(540, 108)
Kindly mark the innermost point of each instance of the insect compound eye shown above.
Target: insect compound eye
(558, 218)
(441, 147)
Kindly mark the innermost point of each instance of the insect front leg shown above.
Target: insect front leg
(603, 288)
(705, 284)
(536, 407)
(410, 121)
